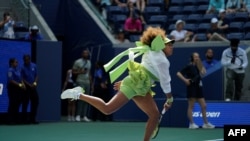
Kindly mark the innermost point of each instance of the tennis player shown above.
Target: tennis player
(154, 66)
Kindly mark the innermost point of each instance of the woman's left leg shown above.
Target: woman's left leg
(203, 106)
(148, 106)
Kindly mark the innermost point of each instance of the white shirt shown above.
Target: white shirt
(133, 1)
(178, 35)
(158, 64)
(9, 30)
(240, 61)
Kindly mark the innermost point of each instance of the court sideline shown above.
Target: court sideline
(102, 131)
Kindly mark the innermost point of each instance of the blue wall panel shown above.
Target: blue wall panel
(49, 63)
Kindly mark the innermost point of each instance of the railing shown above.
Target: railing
(97, 13)
(26, 11)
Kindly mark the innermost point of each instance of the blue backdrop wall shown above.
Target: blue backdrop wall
(49, 66)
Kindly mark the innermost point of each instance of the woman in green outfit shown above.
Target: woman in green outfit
(154, 66)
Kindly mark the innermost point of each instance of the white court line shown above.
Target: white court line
(215, 140)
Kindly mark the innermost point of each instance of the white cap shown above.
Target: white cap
(222, 10)
(214, 20)
(179, 21)
(34, 27)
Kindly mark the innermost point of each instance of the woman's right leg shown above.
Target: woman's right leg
(107, 108)
(191, 102)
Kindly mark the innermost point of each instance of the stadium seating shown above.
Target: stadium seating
(247, 36)
(152, 10)
(177, 17)
(112, 10)
(236, 26)
(171, 27)
(152, 25)
(176, 2)
(189, 2)
(241, 17)
(230, 16)
(203, 27)
(246, 27)
(158, 19)
(20, 26)
(207, 18)
(173, 10)
(159, 3)
(194, 18)
(191, 27)
(201, 2)
(134, 38)
(237, 35)
(193, 12)
(201, 37)
(202, 9)
(189, 9)
(118, 20)
(20, 35)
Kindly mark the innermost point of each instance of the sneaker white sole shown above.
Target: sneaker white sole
(208, 127)
(193, 128)
(68, 94)
(79, 89)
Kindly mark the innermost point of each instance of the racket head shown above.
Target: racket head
(156, 131)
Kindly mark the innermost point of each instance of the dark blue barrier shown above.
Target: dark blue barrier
(49, 64)
(48, 57)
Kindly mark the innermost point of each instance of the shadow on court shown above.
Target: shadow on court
(102, 131)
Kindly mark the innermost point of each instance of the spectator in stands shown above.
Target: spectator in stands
(233, 6)
(121, 3)
(8, 26)
(245, 5)
(140, 4)
(120, 37)
(34, 34)
(180, 34)
(167, 2)
(234, 59)
(102, 6)
(209, 61)
(214, 33)
(215, 6)
(133, 25)
(223, 22)
(132, 9)
(191, 75)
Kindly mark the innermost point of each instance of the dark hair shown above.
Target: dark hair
(192, 57)
(26, 55)
(234, 42)
(11, 61)
(6, 14)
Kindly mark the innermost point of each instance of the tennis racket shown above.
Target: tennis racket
(156, 131)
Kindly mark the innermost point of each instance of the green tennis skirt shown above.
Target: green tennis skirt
(137, 83)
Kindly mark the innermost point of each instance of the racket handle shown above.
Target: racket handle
(163, 111)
